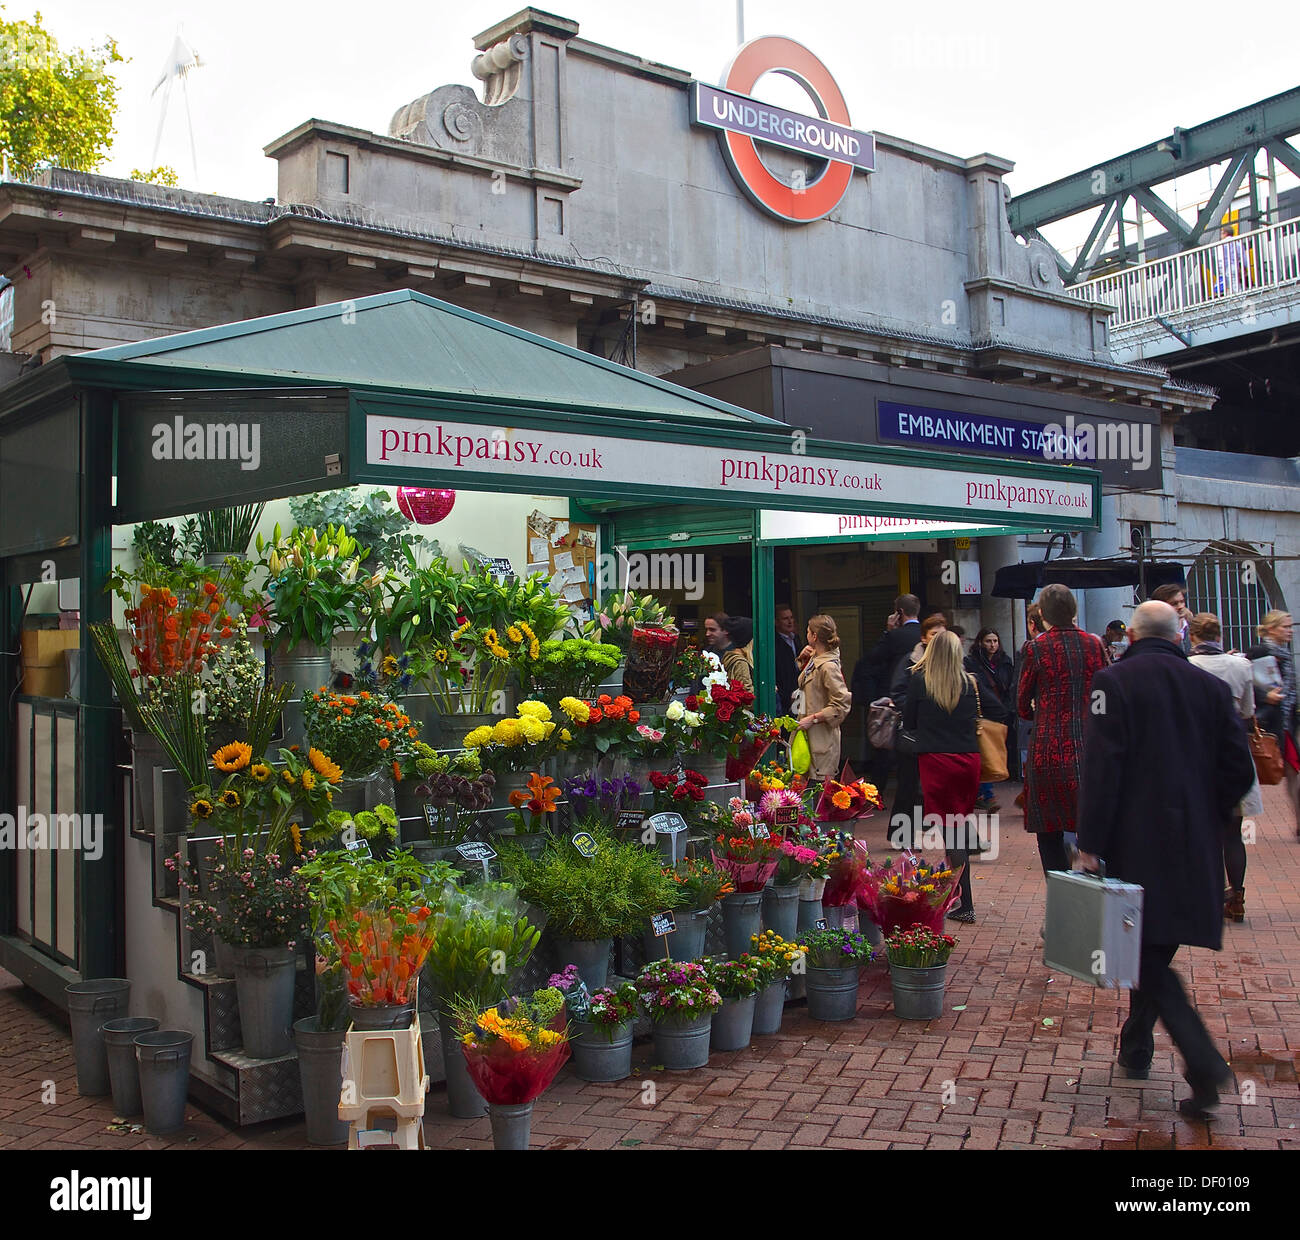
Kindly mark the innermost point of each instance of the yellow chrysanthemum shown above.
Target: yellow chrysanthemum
(232, 757)
(509, 732)
(538, 710)
(565, 735)
(324, 767)
(576, 709)
(534, 730)
(547, 1037)
(477, 738)
(260, 772)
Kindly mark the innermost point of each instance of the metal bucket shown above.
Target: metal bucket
(742, 914)
(124, 1073)
(511, 1125)
(781, 910)
(381, 1015)
(685, 1045)
(90, 1004)
(463, 1097)
(769, 1007)
(264, 983)
(733, 1024)
(810, 913)
(591, 958)
(320, 1054)
(918, 993)
(164, 1065)
(832, 993)
(146, 753)
(686, 942)
(598, 1058)
(306, 667)
(841, 916)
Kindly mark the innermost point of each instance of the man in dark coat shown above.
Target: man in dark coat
(787, 653)
(872, 674)
(1152, 802)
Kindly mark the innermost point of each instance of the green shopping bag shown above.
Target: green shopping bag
(800, 753)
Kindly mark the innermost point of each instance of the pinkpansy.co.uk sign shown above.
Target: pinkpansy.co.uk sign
(532, 459)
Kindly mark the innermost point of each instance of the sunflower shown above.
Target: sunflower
(295, 833)
(441, 655)
(230, 799)
(323, 766)
(290, 778)
(233, 757)
(389, 665)
(202, 808)
(260, 772)
(514, 634)
(308, 781)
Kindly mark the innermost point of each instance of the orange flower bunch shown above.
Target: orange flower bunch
(363, 731)
(383, 951)
(171, 635)
(542, 796)
(610, 721)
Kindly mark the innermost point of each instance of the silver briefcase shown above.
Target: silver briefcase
(1094, 928)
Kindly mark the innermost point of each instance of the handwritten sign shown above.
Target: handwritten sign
(357, 847)
(786, 816)
(476, 850)
(820, 924)
(433, 816)
(585, 843)
(668, 823)
(630, 819)
(663, 923)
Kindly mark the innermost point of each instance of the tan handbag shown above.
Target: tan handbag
(992, 739)
(1268, 761)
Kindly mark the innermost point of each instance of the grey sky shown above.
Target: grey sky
(1054, 88)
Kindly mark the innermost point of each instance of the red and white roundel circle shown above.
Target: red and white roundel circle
(820, 197)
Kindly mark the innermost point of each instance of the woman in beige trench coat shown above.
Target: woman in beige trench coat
(826, 698)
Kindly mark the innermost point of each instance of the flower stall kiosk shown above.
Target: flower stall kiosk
(391, 390)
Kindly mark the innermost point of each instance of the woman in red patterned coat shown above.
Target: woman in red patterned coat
(1055, 685)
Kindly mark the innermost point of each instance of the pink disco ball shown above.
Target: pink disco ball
(424, 506)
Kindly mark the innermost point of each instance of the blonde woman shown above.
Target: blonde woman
(940, 711)
(826, 698)
(1273, 664)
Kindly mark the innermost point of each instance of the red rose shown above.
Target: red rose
(692, 702)
(725, 712)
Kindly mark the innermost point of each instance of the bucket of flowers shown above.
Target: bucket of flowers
(834, 958)
(908, 891)
(738, 981)
(383, 947)
(590, 796)
(513, 1052)
(749, 854)
(847, 863)
(539, 798)
(699, 887)
(680, 1001)
(762, 733)
(773, 776)
(454, 791)
(600, 1026)
(918, 965)
(517, 744)
(777, 958)
(652, 652)
(725, 717)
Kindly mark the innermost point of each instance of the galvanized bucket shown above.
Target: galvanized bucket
(599, 1058)
(381, 1015)
(918, 993)
(511, 1125)
(123, 1071)
(680, 1046)
(781, 910)
(463, 1098)
(769, 1007)
(832, 993)
(733, 1023)
(264, 981)
(164, 1064)
(684, 943)
(591, 958)
(320, 1054)
(90, 1004)
(742, 914)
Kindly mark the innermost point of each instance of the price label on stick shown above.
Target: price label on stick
(585, 843)
(630, 819)
(786, 816)
(357, 847)
(668, 823)
(663, 923)
(480, 851)
(820, 924)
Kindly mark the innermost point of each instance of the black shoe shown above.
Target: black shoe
(1204, 1100)
(1134, 1073)
(964, 915)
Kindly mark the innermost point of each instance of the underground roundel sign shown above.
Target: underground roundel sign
(743, 122)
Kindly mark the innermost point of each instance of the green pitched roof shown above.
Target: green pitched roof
(407, 341)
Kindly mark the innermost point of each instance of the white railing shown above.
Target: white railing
(1234, 267)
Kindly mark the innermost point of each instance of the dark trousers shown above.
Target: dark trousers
(1051, 851)
(1160, 995)
(907, 803)
(1234, 854)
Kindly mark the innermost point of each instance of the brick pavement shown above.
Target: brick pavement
(994, 1075)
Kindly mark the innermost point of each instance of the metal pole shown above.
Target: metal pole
(740, 23)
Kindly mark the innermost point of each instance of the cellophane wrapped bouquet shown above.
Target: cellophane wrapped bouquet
(907, 891)
(847, 866)
(514, 1049)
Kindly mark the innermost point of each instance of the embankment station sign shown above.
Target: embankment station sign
(743, 122)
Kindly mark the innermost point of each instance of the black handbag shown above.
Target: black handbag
(883, 722)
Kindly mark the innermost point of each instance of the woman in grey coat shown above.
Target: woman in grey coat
(1208, 655)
